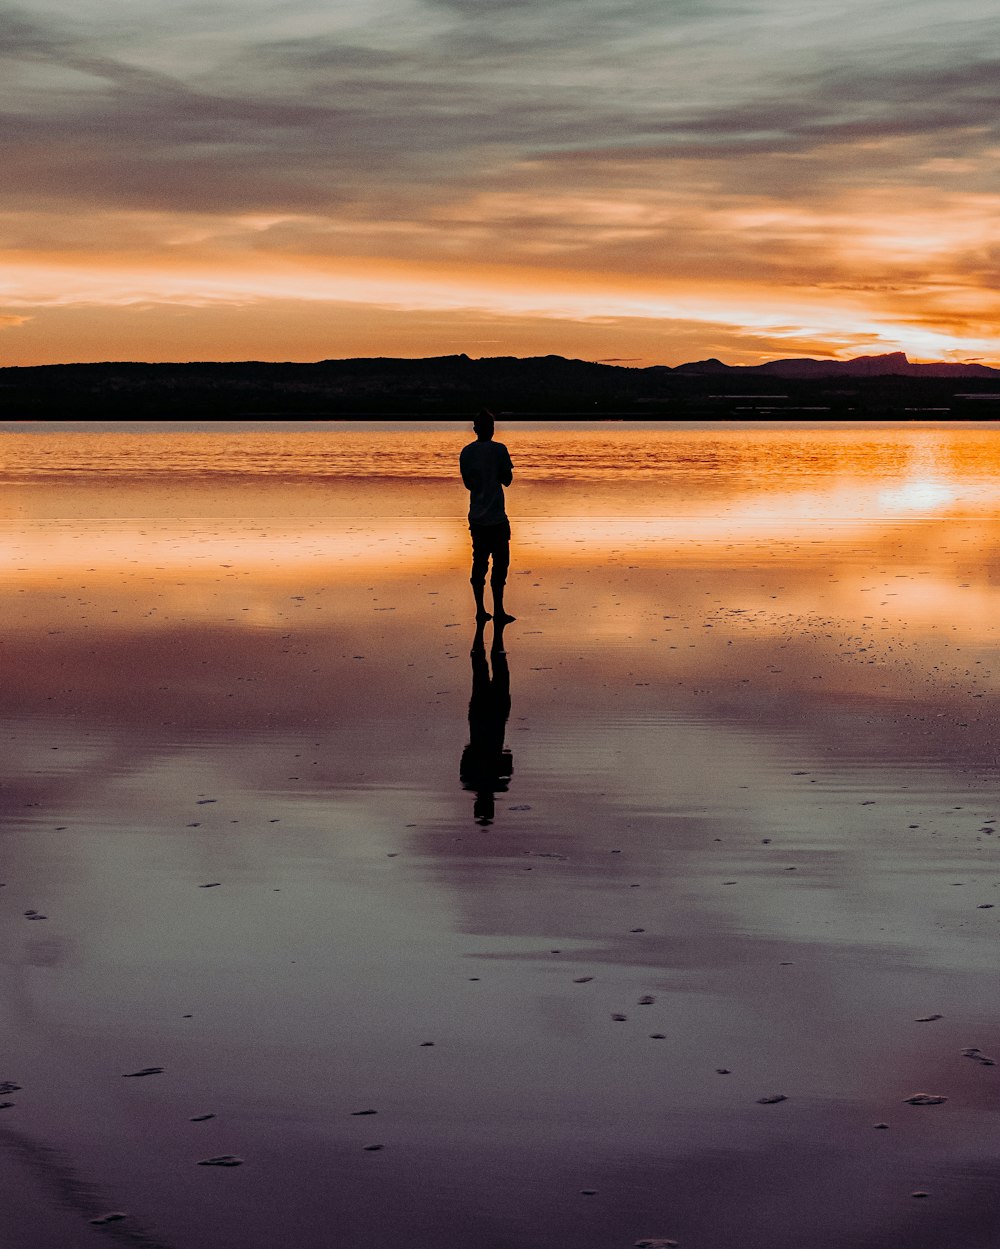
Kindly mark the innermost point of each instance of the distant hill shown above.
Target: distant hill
(887, 385)
(894, 364)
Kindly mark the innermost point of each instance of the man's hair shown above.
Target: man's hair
(484, 422)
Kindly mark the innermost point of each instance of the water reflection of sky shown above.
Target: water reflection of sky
(752, 776)
(763, 458)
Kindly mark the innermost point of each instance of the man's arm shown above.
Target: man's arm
(506, 469)
(469, 477)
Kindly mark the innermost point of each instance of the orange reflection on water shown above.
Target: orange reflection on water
(898, 523)
(35, 553)
(745, 457)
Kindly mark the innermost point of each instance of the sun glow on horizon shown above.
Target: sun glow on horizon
(810, 321)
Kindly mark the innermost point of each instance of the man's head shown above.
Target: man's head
(484, 424)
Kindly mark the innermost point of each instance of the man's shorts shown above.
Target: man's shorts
(490, 540)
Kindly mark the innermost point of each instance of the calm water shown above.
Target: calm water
(751, 457)
(753, 777)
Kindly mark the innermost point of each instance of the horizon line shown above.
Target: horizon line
(606, 362)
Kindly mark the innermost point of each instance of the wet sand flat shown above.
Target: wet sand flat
(746, 850)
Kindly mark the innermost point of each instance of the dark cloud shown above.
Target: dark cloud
(312, 124)
(25, 39)
(570, 24)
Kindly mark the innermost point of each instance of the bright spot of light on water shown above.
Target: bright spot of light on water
(917, 496)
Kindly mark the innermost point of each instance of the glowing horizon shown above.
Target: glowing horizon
(642, 186)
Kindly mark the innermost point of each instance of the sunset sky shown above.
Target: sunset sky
(650, 181)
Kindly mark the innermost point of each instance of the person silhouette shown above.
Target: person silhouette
(486, 468)
(487, 765)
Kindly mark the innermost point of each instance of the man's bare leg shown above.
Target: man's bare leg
(500, 616)
(481, 613)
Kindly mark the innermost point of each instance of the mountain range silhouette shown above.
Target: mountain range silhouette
(893, 364)
(885, 385)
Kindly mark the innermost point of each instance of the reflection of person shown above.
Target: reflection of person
(487, 765)
(486, 469)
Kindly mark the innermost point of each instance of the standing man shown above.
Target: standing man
(486, 469)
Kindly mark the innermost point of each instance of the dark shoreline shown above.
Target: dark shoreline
(456, 386)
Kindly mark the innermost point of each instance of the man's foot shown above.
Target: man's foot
(482, 615)
(502, 618)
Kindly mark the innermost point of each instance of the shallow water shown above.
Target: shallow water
(753, 748)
